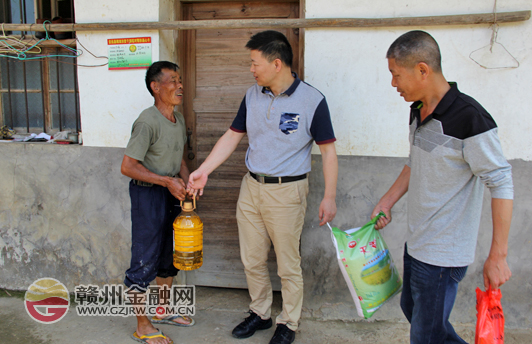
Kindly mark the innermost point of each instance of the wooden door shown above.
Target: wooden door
(215, 71)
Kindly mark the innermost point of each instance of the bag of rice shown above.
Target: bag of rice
(367, 266)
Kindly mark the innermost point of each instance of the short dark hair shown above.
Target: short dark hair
(156, 69)
(273, 45)
(414, 47)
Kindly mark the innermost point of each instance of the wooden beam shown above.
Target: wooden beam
(460, 19)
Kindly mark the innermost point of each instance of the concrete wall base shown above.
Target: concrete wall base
(65, 213)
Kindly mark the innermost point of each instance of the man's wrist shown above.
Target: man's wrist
(204, 170)
(497, 254)
(329, 197)
(386, 203)
(166, 181)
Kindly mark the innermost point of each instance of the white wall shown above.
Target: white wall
(168, 39)
(111, 100)
(347, 65)
(369, 117)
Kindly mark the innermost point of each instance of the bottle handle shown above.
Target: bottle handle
(193, 200)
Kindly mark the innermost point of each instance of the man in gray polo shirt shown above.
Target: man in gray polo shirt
(282, 116)
(454, 152)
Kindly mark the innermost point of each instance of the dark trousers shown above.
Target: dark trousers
(153, 211)
(427, 300)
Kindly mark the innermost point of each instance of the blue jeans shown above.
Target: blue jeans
(427, 300)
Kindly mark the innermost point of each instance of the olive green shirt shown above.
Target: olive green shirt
(158, 143)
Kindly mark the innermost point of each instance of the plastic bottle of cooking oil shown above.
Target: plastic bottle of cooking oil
(188, 238)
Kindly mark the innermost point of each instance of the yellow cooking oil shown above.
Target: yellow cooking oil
(188, 238)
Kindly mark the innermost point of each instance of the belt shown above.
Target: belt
(141, 183)
(276, 180)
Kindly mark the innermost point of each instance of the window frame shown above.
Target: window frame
(50, 114)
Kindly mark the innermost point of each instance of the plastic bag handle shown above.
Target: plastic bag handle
(377, 217)
(373, 220)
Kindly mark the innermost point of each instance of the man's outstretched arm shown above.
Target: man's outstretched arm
(222, 150)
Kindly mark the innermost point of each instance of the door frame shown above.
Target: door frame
(178, 11)
(186, 56)
(186, 52)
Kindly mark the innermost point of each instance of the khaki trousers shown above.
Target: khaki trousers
(266, 214)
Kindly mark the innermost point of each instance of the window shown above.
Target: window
(39, 95)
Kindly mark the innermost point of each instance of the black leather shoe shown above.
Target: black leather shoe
(251, 324)
(283, 335)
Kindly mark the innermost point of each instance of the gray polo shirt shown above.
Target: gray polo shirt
(282, 128)
(454, 152)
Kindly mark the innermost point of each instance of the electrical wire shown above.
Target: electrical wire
(98, 57)
(22, 53)
(19, 49)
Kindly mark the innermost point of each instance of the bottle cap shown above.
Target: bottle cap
(187, 206)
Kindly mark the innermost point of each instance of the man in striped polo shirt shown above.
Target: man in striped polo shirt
(282, 116)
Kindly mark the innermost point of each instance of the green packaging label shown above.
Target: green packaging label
(367, 266)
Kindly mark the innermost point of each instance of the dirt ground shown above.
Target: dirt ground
(217, 312)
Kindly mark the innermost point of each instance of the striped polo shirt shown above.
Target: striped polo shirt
(282, 128)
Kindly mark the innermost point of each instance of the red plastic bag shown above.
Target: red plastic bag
(490, 318)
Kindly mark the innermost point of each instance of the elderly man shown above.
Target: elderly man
(454, 152)
(154, 161)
